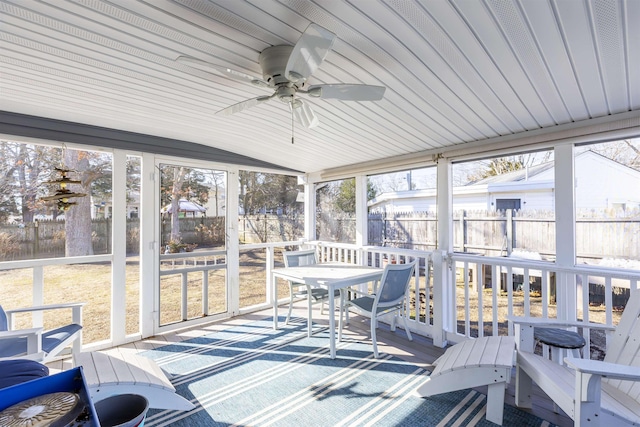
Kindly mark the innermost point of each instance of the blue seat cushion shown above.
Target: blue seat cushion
(13, 347)
(20, 370)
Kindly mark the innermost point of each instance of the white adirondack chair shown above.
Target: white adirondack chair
(35, 343)
(591, 392)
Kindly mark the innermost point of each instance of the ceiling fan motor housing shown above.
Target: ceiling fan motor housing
(273, 61)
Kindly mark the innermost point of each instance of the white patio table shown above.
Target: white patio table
(332, 276)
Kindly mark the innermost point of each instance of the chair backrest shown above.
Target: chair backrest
(394, 284)
(299, 258)
(624, 346)
(4, 322)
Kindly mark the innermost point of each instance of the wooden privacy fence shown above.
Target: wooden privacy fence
(598, 235)
(497, 233)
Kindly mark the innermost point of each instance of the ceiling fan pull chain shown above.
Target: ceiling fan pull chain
(292, 123)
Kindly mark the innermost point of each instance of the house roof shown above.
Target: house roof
(185, 205)
(514, 176)
(458, 75)
(531, 171)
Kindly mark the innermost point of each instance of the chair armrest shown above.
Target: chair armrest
(76, 311)
(45, 307)
(604, 369)
(555, 323)
(20, 333)
(34, 341)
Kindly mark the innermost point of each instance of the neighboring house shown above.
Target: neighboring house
(216, 207)
(601, 183)
(104, 209)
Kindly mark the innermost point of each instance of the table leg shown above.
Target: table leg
(274, 281)
(309, 313)
(332, 323)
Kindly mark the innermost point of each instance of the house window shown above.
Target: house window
(504, 204)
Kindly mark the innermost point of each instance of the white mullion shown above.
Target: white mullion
(119, 247)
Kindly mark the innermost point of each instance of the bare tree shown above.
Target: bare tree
(176, 195)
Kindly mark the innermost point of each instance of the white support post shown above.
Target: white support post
(309, 211)
(565, 230)
(38, 294)
(442, 283)
(149, 247)
(270, 261)
(439, 304)
(119, 248)
(233, 243)
(362, 234)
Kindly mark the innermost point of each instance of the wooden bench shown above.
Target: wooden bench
(118, 373)
(474, 363)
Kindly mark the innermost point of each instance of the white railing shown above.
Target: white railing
(501, 287)
(184, 263)
(453, 297)
(420, 296)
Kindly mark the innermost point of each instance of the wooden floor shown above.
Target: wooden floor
(419, 352)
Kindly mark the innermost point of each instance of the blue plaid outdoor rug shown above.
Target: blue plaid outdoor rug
(252, 375)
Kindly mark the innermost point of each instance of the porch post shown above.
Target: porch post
(119, 248)
(309, 210)
(233, 243)
(362, 215)
(149, 245)
(565, 230)
(442, 284)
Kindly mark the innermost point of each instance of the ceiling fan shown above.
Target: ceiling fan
(286, 69)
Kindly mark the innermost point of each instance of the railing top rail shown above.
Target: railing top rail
(40, 262)
(194, 254)
(592, 270)
(272, 244)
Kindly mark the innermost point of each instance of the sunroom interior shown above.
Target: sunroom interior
(463, 81)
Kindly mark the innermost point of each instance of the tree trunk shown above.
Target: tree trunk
(176, 193)
(78, 217)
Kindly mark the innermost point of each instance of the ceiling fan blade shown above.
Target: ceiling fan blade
(309, 52)
(227, 72)
(303, 114)
(236, 108)
(347, 92)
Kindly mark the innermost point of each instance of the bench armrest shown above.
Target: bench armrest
(556, 323)
(604, 369)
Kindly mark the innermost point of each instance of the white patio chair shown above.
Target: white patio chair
(298, 290)
(34, 343)
(388, 298)
(591, 392)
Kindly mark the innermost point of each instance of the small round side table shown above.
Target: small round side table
(560, 341)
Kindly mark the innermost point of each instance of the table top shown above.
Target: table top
(337, 274)
(560, 338)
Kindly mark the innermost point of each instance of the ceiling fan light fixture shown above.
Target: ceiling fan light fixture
(296, 77)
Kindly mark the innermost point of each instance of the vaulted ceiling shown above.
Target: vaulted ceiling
(456, 72)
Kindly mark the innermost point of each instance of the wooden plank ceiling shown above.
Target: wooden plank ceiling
(455, 72)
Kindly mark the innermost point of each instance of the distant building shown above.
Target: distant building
(601, 183)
